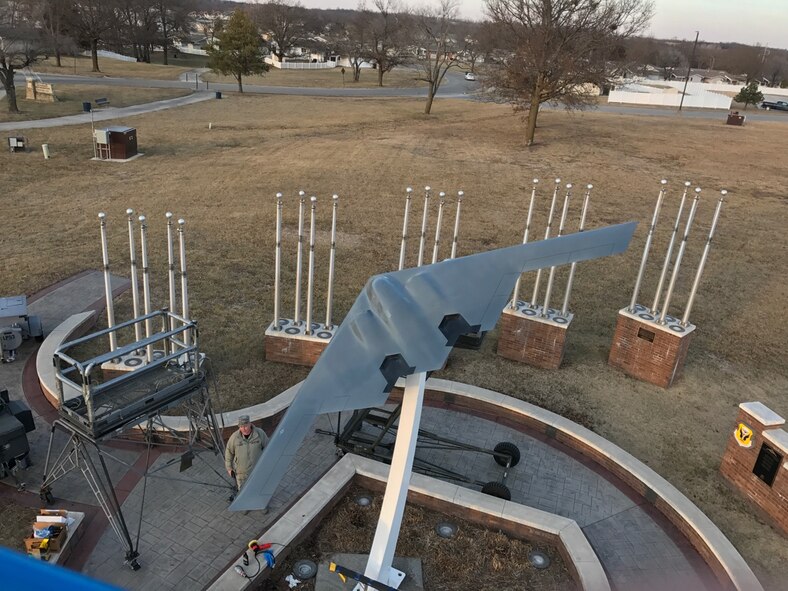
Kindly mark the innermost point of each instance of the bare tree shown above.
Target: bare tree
(175, 16)
(20, 45)
(92, 20)
(388, 37)
(557, 47)
(352, 39)
(284, 21)
(435, 35)
(669, 59)
(51, 15)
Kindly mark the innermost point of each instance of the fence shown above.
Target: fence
(300, 65)
(112, 55)
(703, 100)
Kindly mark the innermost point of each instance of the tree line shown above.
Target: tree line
(534, 51)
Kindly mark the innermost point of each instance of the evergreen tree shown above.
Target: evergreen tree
(749, 95)
(238, 50)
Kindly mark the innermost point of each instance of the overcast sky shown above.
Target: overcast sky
(745, 21)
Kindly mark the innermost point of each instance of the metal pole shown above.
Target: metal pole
(647, 247)
(145, 283)
(679, 256)
(435, 248)
(663, 275)
(135, 289)
(460, 195)
(187, 337)
(546, 236)
(299, 258)
(381, 554)
(171, 269)
(330, 294)
(551, 277)
(113, 341)
(704, 256)
(515, 297)
(424, 226)
(277, 259)
(311, 276)
(689, 69)
(570, 280)
(408, 194)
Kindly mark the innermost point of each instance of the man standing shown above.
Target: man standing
(243, 449)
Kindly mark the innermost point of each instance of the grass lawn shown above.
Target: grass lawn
(397, 78)
(113, 68)
(71, 96)
(223, 182)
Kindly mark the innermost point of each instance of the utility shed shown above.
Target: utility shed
(116, 142)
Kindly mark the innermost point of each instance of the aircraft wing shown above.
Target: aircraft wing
(406, 322)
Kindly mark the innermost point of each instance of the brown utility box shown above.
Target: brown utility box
(116, 143)
(735, 119)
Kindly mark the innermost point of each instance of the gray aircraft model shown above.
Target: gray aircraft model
(406, 322)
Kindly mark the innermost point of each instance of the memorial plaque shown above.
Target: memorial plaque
(767, 464)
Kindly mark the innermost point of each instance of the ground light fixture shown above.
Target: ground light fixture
(538, 559)
(446, 529)
(363, 500)
(304, 569)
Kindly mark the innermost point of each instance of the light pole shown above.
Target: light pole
(689, 69)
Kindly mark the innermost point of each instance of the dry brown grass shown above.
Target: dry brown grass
(109, 67)
(398, 78)
(368, 150)
(474, 558)
(70, 99)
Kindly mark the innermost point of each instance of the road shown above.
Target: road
(454, 86)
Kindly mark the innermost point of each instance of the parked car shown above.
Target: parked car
(776, 105)
(470, 76)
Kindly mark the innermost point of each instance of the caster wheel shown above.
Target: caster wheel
(46, 496)
(134, 565)
(506, 448)
(498, 490)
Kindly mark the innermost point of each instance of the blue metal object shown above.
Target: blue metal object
(22, 573)
(407, 322)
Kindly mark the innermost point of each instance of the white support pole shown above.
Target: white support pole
(460, 195)
(551, 278)
(665, 265)
(538, 280)
(330, 291)
(424, 226)
(679, 256)
(299, 257)
(702, 264)
(647, 247)
(438, 224)
(171, 269)
(408, 195)
(145, 283)
(385, 542)
(516, 295)
(135, 288)
(187, 337)
(278, 260)
(311, 272)
(570, 280)
(113, 340)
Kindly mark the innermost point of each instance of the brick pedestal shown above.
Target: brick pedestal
(531, 338)
(647, 350)
(750, 476)
(291, 344)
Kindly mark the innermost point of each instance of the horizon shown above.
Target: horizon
(761, 22)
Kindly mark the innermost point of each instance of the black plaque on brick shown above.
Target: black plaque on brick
(767, 464)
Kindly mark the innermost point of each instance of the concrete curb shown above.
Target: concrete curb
(483, 509)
